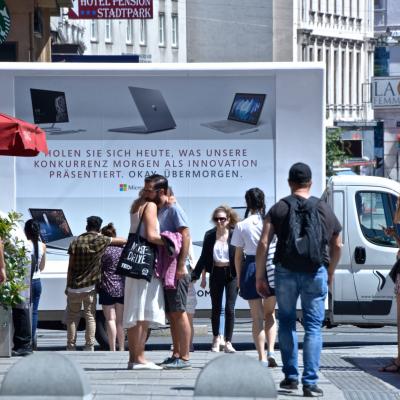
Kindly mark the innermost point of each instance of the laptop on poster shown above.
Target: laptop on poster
(153, 110)
(244, 113)
(54, 228)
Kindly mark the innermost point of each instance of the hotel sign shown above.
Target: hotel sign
(5, 21)
(111, 9)
(385, 92)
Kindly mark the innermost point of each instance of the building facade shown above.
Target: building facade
(28, 38)
(161, 39)
(387, 64)
(339, 33)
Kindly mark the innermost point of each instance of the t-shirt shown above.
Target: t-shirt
(247, 234)
(171, 218)
(279, 217)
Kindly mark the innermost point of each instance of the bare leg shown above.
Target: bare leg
(180, 327)
(257, 314)
(110, 316)
(190, 317)
(136, 342)
(119, 310)
(270, 322)
(174, 336)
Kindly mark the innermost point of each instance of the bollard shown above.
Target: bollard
(235, 375)
(45, 376)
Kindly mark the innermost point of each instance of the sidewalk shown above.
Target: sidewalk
(346, 373)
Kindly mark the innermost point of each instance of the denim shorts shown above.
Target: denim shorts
(176, 299)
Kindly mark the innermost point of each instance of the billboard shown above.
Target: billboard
(386, 92)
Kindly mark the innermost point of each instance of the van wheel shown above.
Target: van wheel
(101, 331)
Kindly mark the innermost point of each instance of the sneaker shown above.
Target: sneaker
(221, 342)
(228, 348)
(271, 361)
(88, 348)
(21, 352)
(146, 366)
(168, 360)
(216, 344)
(179, 364)
(264, 363)
(289, 384)
(312, 391)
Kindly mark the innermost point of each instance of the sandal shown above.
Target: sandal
(392, 367)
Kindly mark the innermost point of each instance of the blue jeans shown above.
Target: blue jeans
(312, 289)
(36, 292)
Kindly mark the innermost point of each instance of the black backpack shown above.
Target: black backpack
(305, 242)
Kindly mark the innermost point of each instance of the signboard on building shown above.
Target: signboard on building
(386, 92)
(111, 9)
(5, 21)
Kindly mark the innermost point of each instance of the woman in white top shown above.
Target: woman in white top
(217, 258)
(143, 301)
(246, 237)
(38, 251)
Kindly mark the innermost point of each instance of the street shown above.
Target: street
(349, 364)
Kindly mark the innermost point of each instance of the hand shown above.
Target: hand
(3, 276)
(180, 272)
(390, 231)
(262, 288)
(203, 283)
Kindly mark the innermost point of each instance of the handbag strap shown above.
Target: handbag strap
(140, 221)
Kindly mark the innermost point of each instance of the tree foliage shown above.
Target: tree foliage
(335, 154)
(15, 255)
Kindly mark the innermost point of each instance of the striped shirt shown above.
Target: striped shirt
(270, 263)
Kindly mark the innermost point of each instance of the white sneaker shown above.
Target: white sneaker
(221, 342)
(146, 366)
(228, 348)
(215, 344)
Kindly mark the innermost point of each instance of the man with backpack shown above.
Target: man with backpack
(307, 252)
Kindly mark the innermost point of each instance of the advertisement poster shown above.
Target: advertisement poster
(212, 137)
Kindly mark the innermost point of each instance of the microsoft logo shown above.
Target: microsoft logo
(123, 187)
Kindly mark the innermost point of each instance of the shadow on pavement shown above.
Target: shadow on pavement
(371, 366)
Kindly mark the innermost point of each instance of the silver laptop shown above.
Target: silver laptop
(153, 110)
(244, 113)
(54, 228)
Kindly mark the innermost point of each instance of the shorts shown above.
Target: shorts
(248, 281)
(176, 299)
(191, 300)
(106, 300)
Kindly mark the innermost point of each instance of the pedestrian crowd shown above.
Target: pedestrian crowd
(270, 257)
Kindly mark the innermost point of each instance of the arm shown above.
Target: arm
(335, 249)
(203, 282)
(3, 276)
(181, 270)
(261, 256)
(238, 263)
(118, 241)
(150, 224)
(68, 274)
(43, 260)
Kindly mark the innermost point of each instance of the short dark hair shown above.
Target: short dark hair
(32, 229)
(109, 230)
(93, 223)
(159, 182)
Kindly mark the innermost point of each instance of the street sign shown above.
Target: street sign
(5, 21)
(111, 9)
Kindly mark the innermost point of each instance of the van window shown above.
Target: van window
(376, 210)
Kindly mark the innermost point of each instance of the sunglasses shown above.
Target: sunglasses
(219, 219)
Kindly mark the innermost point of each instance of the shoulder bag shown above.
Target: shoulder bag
(138, 256)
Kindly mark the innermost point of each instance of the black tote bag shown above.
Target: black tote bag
(138, 256)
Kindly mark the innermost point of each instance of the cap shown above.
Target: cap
(300, 173)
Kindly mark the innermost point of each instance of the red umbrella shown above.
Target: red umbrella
(20, 138)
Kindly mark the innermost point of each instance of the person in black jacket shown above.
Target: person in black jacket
(218, 259)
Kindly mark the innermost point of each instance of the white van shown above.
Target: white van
(363, 291)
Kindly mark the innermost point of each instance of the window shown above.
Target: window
(319, 55)
(343, 76)
(376, 210)
(335, 7)
(143, 32)
(161, 29)
(94, 30)
(108, 31)
(174, 30)
(327, 6)
(351, 78)
(310, 54)
(327, 75)
(311, 5)
(350, 8)
(129, 31)
(358, 66)
(335, 76)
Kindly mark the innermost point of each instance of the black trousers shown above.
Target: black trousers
(22, 329)
(220, 279)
